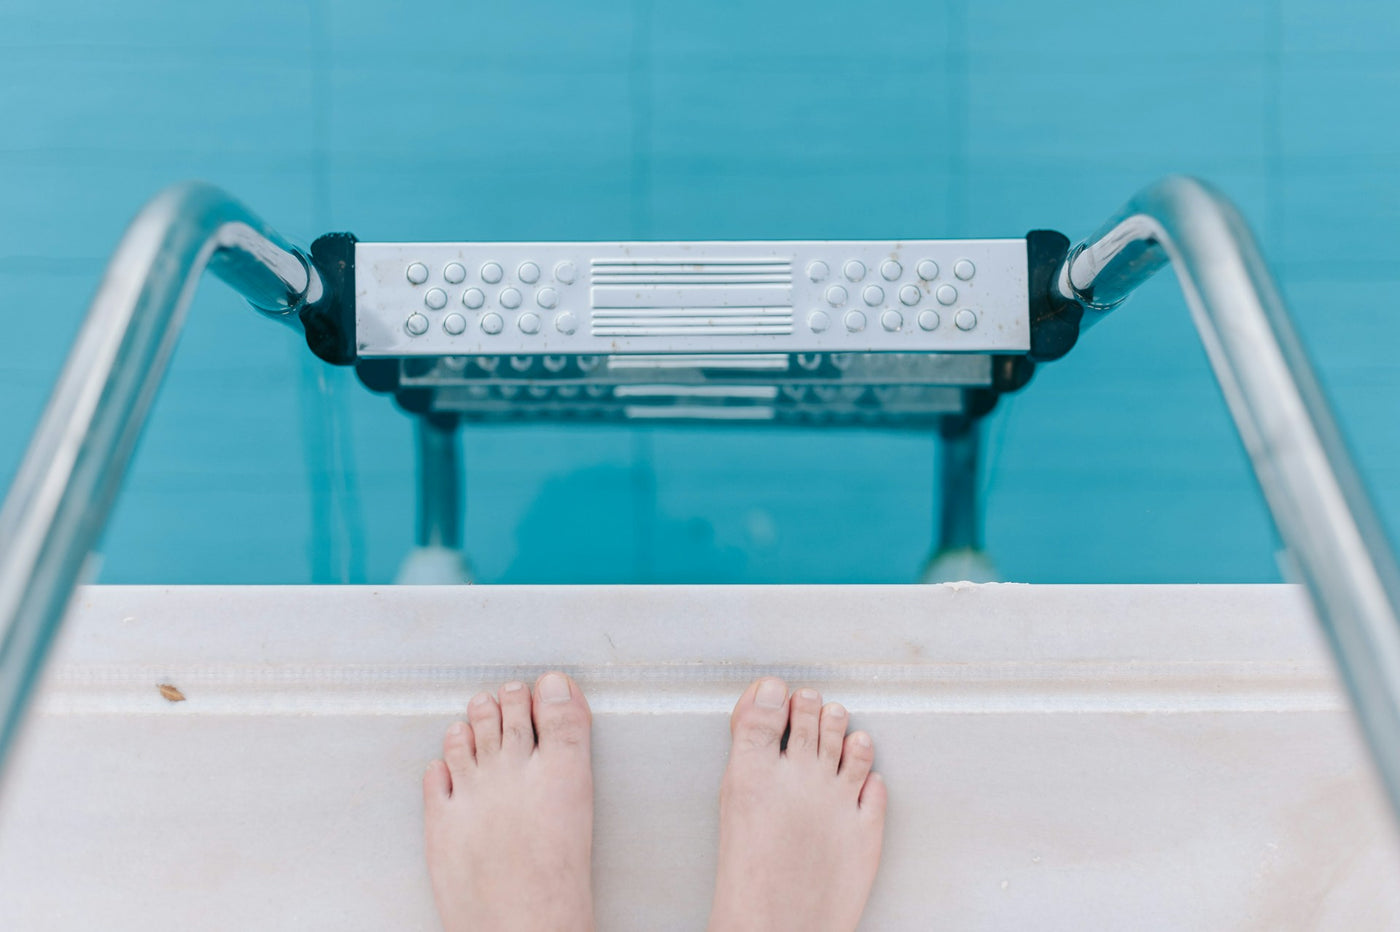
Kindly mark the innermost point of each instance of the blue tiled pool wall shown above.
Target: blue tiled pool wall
(549, 120)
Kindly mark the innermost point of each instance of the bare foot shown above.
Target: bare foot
(799, 829)
(510, 818)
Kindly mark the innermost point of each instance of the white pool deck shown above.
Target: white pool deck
(1057, 757)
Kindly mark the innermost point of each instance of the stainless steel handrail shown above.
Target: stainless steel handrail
(1312, 488)
(69, 477)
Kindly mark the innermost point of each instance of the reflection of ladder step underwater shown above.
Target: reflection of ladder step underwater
(922, 335)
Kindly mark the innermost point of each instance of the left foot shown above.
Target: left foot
(509, 812)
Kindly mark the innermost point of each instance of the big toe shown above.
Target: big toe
(562, 718)
(760, 717)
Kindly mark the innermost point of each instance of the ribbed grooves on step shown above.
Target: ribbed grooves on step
(712, 272)
(699, 321)
(736, 297)
(757, 361)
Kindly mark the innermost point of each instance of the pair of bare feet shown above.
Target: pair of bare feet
(509, 813)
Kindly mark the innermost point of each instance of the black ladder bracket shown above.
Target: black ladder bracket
(330, 322)
(1054, 320)
(1054, 326)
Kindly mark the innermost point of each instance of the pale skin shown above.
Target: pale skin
(509, 814)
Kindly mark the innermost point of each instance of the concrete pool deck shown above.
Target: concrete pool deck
(1058, 757)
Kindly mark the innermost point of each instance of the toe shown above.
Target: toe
(458, 751)
(517, 731)
(437, 786)
(485, 718)
(561, 715)
(856, 758)
(874, 796)
(833, 734)
(760, 717)
(804, 712)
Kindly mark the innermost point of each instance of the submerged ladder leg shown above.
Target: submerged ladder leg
(437, 557)
(959, 554)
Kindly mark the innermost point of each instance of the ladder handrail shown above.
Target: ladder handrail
(1337, 545)
(63, 492)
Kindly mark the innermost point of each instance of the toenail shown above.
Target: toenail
(457, 730)
(554, 688)
(861, 738)
(808, 695)
(481, 699)
(836, 710)
(513, 687)
(771, 694)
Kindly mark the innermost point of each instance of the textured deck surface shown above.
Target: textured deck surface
(1057, 757)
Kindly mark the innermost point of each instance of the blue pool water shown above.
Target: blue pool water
(554, 120)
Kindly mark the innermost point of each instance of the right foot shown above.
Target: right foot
(799, 828)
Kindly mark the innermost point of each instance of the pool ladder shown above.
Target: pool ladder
(71, 473)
